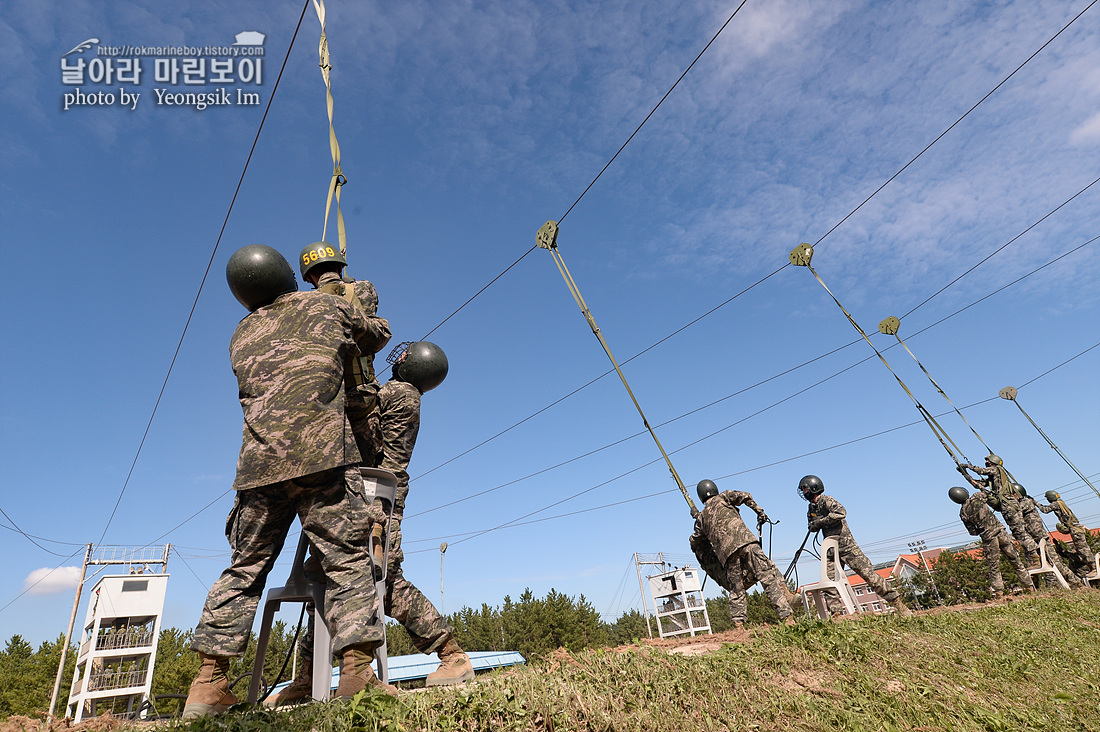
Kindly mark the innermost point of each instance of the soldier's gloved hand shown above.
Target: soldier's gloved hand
(694, 512)
(763, 518)
(961, 469)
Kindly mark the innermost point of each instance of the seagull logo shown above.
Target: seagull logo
(82, 47)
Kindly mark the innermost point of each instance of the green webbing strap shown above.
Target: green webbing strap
(890, 326)
(338, 178)
(800, 257)
(547, 238)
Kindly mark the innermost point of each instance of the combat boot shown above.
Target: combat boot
(901, 608)
(298, 689)
(454, 666)
(209, 692)
(356, 673)
(738, 625)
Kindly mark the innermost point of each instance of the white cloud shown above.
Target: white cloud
(1088, 133)
(48, 581)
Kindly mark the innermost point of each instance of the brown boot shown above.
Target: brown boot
(356, 673)
(301, 688)
(454, 666)
(901, 608)
(209, 692)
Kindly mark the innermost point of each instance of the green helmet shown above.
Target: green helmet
(809, 486)
(1052, 496)
(1020, 490)
(958, 494)
(318, 253)
(1062, 528)
(707, 489)
(257, 274)
(422, 364)
(991, 458)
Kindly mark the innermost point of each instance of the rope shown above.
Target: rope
(338, 179)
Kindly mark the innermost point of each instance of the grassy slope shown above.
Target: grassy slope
(1033, 664)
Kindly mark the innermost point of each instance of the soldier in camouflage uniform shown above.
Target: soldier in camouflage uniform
(399, 405)
(297, 459)
(979, 520)
(321, 265)
(1007, 503)
(827, 515)
(1073, 527)
(719, 524)
(1035, 528)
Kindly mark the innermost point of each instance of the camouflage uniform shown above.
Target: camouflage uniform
(1076, 529)
(1038, 532)
(736, 548)
(399, 404)
(827, 515)
(297, 458)
(362, 393)
(979, 520)
(1009, 505)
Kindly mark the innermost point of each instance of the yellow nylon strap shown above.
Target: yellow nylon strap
(937, 429)
(575, 291)
(338, 178)
(943, 393)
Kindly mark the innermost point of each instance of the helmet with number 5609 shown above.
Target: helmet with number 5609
(318, 253)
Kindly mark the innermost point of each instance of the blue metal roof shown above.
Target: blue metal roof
(419, 665)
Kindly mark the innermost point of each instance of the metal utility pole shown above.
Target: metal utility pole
(1009, 393)
(921, 547)
(638, 562)
(69, 634)
(442, 551)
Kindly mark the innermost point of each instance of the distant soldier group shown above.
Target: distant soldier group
(313, 414)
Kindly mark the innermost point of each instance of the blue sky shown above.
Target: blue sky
(463, 128)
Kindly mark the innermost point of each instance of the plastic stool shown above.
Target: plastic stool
(1045, 567)
(830, 563)
(1093, 576)
(377, 484)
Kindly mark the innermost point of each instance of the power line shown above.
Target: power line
(741, 391)
(205, 274)
(31, 538)
(466, 536)
(604, 168)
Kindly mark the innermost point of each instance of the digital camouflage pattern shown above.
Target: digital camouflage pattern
(333, 515)
(827, 515)
(289, 361)
(1062, 511)
(1033, 520)
(1076, 530)
(399, 406)
(736, 550)
(979, 520)
(362, 394)
(1009, 505)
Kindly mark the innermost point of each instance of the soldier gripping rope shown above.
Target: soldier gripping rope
(417, 368)
(731, 553)
(297, 459)
(1007, 503)
(1038, 531)
(980, 521)
(1068, 524)
(322, 265)
(827, 515)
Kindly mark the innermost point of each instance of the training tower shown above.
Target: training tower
(114, 666)
(678, 602)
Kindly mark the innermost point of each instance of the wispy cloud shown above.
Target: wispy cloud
(49, 581)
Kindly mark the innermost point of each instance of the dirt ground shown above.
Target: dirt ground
(105, 723)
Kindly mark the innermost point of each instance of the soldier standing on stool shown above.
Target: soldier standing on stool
(297, 458)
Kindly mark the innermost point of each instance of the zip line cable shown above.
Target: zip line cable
(743, 390)
(466, 536)
(205, 274)
(548, 239)
(997, 251)
(604, 168)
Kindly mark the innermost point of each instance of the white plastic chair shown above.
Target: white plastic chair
(377, 483)
(1045, 567)
(830, 564)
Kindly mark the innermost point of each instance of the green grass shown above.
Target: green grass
(1027, 665)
